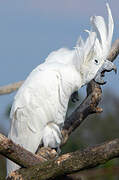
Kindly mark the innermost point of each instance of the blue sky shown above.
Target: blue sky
(31, 29)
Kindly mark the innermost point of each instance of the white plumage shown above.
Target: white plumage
(40, 105)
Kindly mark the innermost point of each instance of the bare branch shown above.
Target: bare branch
(70, 162)
(87, 107)
(114, 51)
(90, 157)
(10, 88)
(18, 154)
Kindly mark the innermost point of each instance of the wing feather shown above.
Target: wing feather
(33, 102)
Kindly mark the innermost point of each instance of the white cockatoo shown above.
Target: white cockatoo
(40, 105)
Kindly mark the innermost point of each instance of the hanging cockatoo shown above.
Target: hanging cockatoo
(40, 105)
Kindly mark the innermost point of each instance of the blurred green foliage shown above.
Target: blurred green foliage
(94, 130)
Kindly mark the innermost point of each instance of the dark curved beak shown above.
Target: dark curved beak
(106, 67)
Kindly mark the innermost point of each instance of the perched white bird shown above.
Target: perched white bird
(40, 105)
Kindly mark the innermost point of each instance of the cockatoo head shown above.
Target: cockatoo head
(92, 53)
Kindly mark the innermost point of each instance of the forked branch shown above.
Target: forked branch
(70, 162)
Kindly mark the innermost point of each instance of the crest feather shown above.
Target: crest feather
(84, 50)
(89, 44)
(100, 27)
(99, 39)
(104, 32)
(110, 24)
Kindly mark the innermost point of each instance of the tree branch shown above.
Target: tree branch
(70, 162)
(10, 88)
(18, 154)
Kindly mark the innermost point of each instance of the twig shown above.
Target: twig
(10, 88)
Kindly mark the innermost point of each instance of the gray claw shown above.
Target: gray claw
(75, 97)
(99, 79)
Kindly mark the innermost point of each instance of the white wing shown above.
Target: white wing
(38, 98)
(36, 104)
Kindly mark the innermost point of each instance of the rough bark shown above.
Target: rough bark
(70, 162)
(18, 154)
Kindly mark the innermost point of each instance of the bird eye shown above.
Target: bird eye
(96, 61)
